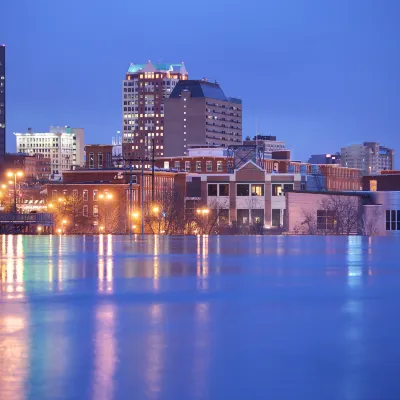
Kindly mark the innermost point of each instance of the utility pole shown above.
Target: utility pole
(152, 171)
(130, 199)
(142, 197)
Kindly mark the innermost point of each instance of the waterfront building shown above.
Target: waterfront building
(144, 90)
(199, 113)
(64, 146)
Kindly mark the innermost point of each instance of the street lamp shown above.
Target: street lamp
(39, 229)
(156, 209)
(64, 222)
(106, 197)
(15, 175)
(203, 211)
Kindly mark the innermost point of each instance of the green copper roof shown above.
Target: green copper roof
(133, 68)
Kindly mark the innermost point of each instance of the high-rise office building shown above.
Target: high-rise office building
(370, 157)
(2, 102)
(144, 90)
(198, 113)
(64, 146)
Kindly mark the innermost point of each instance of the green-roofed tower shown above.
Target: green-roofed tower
(144, 89)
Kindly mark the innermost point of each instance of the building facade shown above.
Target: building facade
(144, 90)
(198, 113)
(2, 102)
(268, 143)
(99, 156)
(369, 157)
(62, 145)
(248, 196)
(325, 159)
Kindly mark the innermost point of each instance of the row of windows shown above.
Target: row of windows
(75, 194)
(247, 189)
(393, 220)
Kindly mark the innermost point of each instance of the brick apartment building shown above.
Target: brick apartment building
(98, 156)
(91, 190)
(198, 113)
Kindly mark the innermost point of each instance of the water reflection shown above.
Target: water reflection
(105, 352)
(154, 356)
(202, 262)
(355, 260)
(105, 265)
(14, 321)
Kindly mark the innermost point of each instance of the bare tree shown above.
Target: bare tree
(370, 220)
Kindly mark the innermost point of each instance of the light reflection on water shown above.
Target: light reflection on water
(99, 317)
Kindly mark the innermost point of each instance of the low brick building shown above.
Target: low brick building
(102, 197)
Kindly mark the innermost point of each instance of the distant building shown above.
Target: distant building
(2, 102)
(267, 142)
(325, 158)
(98, 156)
(35, 167)
(198, 113)
(144, 89)
(370, 157)
(64, 146)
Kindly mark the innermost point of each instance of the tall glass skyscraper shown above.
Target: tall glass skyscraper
(2, 102)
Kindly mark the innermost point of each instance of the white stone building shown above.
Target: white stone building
(64, 146)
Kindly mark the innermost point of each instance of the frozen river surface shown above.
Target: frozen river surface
(111, 317)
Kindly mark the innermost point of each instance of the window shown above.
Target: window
(325, 220)
(373, 185)
(393, 220)
(91, 160)
(257, 189)
(95, 211)
(85, 211)
(85, 195)
(219, 166)
(95, 195)
(177, 165)
(100, 160)
(187, 166)
(209, 166)
(54, 194)
(276, 217)
(277, 189)
(224, 189)
(198, 166)
(75, 194)
(242, 189)
(212, 189)
(288, 187)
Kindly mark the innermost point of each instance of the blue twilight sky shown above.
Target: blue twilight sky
(319, 74)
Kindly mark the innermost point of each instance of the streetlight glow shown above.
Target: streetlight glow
(135, 215)
(109, 196)
(156, 209)
(101, 196)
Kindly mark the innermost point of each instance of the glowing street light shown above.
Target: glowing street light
(59, 230)
(203, 211)
(39, 229)
(15, 175)
(135, 215)
(156, 209)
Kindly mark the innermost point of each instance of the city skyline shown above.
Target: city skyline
(319, 78)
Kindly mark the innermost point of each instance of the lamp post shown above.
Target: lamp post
(15, 174)
(203, 212)
(106, 197)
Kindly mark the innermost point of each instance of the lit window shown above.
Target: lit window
(95, 211)
(373, 185)
(198, 166)
(257, 190)
(95, 195)
(85, 195)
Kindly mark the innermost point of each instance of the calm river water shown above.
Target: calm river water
(110, 317)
